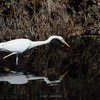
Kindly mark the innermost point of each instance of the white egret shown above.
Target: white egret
(18, 46)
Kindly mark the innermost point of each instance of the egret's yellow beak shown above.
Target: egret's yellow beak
(66, 44)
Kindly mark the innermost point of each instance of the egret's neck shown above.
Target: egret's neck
(39, 43)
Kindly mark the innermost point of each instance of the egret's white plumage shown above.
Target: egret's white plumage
(18, 46)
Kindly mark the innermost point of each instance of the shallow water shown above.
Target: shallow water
(21, 86)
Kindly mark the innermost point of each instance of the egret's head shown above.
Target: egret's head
(62, 40)
(59, 38)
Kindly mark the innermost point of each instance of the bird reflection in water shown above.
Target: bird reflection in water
(21, 78)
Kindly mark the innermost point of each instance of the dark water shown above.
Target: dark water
(18, 85)
(21, 86)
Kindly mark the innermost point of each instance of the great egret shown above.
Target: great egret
(18, 46)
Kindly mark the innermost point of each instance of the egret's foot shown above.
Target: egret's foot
(6, 69)
(4, 58)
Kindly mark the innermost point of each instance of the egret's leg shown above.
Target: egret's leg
(9, 55)
(16, 59)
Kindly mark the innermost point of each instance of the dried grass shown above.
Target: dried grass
(51, 18)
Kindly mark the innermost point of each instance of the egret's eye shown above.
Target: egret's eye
(62, 40)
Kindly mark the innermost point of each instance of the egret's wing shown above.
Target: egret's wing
(17, 45)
